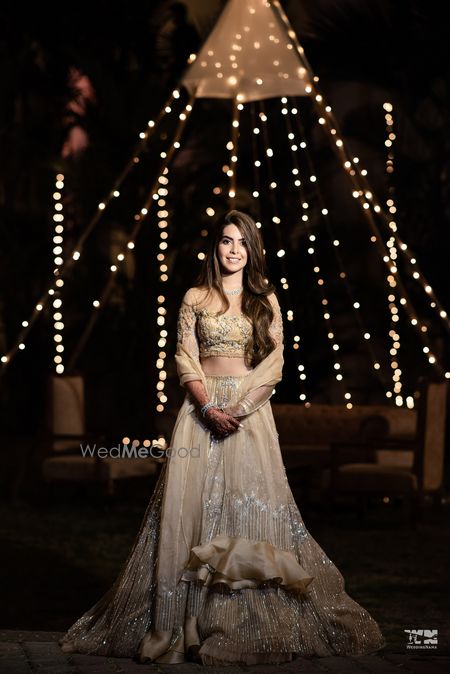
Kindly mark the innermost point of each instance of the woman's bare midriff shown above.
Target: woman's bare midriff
(224, 365)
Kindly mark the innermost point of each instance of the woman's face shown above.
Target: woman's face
(232, 249)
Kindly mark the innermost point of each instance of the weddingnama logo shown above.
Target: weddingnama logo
(422, 639)
(133, 451)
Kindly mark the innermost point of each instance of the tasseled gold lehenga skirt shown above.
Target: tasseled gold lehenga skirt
(223, 569)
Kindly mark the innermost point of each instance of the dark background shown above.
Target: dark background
(365, 54)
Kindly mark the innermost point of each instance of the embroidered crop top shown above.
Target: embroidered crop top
(225, 335)
(205, 334)
(202, 333)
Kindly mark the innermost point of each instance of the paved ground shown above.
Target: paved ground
(38, 652)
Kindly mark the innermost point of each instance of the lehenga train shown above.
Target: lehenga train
(223, 569)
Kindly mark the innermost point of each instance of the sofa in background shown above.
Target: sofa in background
(366, 451)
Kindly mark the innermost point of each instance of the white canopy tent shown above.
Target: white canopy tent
(248, 56)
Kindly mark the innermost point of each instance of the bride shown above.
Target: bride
(223, 569)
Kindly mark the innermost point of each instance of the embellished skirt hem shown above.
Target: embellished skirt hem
(180, 645)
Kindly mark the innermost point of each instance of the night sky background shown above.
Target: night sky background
(365, 54)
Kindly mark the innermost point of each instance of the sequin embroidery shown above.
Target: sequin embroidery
(225, 335)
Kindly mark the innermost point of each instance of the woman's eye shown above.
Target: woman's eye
(244, 243)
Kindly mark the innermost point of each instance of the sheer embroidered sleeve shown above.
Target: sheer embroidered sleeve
(253, 400)
(276, 327)
(186, 331)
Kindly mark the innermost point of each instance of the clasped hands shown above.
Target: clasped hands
(220, 422)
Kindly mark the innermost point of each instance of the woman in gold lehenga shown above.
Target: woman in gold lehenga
(223, 569)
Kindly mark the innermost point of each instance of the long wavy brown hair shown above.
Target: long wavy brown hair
(255, 303)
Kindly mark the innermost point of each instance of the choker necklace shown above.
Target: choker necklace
(236, 291)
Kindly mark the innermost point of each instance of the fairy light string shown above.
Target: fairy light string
(292, 113)
(401, 247)
(326, 311)
(394, 279)
(364, 196)
(139, 219)
(232, 146)
(230, 168)
(163, 221)
(65, 267)
(393, 253)
(58, 240)
(256, 163)
(259, 130)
